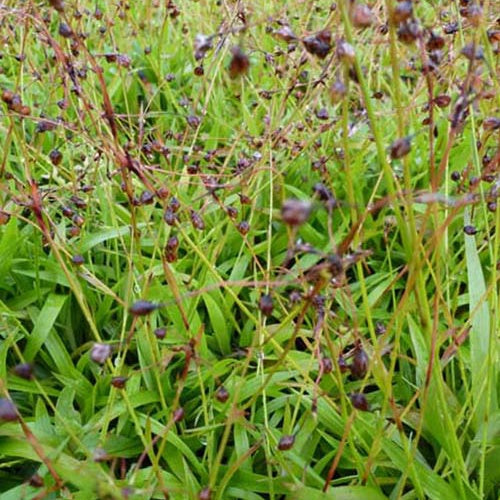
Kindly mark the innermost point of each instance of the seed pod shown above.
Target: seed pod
(174, 204)
(243, 227)
(8, 411)
(239, 63)
(286, 442)
(400, 147)
(142, 308)
(193, 121)
(197, 221)
(231, 212)
(380, 328)
(24, 370)
(360, 362)
(295, 212)
(408, 32)
(100, 353)
(65, 31)
(470, 230)
(322, 114)
(266, 305)
(401, 12)
(359, 401)
(119, 382)
(441, 101)
(178, 414)
(160, 333)
(343, 366)
(319, 44)
(55, 157)
(78, 220)
(362, 16)
(147, 197)
(435, 42)
(455, 176)
(286, 34)
(170, 217)
(77, 260)
(222, 394)
(492, 206)
(57, 4)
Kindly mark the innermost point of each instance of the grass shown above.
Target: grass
(175, 324)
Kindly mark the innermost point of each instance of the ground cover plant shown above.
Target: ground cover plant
(249, 249)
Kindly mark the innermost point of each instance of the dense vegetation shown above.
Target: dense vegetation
(249, 249)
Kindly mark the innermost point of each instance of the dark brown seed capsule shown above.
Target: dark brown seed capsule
(442, 100)
(57, 4)
(243, 227)
(55, 157)
(400, 147)
(78, 260)
(174, 204)
(7, 96)
(119, 382)
(222, 394)
(455, 176)
(343, 366)
(231, 212)
(142, 308)
(245, 200)
(65, 31)
(266, 305)
(173, 243)
(239, 63)
(492, 206)
(24, 370)
(170, 217)
(322, 114)
(401, 12)
(35, 481)
(197, 221)
(362, 16)
(193, 121)
(286, 442)
(359, 401)
(435, 42)
(319, 44)
(100, 353)
(160, 333)
(408, 32)
(178, 414)
(205, 494)
(326, 365)
(295, 212)
(359, 365)
(199, 71)
(147, 197)
(470, 230)
(8, 411)
(78, 220)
